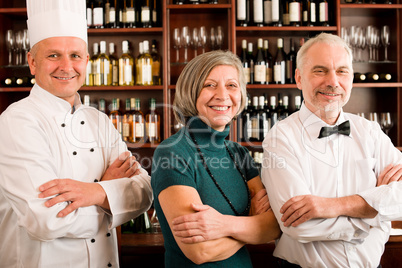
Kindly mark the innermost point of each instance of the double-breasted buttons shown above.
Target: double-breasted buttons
(82, 122)
(109, 265)
(95, 180)
(93, 240)
(63, 125)
(92, 150)
(108, 234)
(74, 153)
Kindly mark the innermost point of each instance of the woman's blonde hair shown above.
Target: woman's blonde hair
(193, 76)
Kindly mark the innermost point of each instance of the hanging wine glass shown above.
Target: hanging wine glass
(386, 122)
(25, 46)
(195, 41)
(385, 40)
(219, 37)
(185, 41)
(212, 38)
(10, 44)
(370, 40)
(18, 47)
(203, 38)
(177, 42)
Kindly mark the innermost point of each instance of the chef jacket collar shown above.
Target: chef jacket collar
(54, 103)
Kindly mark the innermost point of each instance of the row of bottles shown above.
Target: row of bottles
(132, 124)
(181, 2)
(142, 224)
(110, 70)
(368, 2)
(260, 115)
(372, 77)
(123, 13)
(262, 68)
(282, 13)
(13, 81)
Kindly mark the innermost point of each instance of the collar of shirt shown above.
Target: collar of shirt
(312, 124)
(53, 103)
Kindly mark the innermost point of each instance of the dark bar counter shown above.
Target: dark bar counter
(147, 250)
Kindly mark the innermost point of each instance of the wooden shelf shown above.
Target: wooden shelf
(199, 6)
(371, 6)
(287, 28)
(123, 31)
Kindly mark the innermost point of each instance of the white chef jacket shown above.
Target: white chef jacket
(296, 163)
(41, 140)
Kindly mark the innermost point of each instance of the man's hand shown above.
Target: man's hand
(125, 166)
(390, 174)
(259, 202)
(79, 194)
(203, 225)
(302, 208)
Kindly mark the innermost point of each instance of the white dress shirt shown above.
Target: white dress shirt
(296, 163)
(41, 140)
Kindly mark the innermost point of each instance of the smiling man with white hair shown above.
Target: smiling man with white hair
(338, 185)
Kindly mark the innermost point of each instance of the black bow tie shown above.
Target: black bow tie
(343, 128)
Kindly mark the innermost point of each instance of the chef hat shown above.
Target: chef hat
(53, 18)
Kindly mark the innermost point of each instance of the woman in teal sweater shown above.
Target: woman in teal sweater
(208, 194)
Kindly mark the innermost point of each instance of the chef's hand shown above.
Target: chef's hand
(77, 193)
(125, 166)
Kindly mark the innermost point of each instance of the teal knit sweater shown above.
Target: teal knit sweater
(176, 162)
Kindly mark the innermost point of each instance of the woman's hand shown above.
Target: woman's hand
(203, 225)
(259, 202)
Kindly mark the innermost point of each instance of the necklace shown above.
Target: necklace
(245, 212)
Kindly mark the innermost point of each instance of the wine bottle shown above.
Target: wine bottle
(111, 14)
(323, 17)
(268, 62)
(273, 111)
(267, 12)
(285, 108)
(250, 59)
(104, 67)
(372, 77)
(297, 103)
(267, 111)
(153, 123)
(22, 81)
(126, 67)
(277, 13)
(258, 13)
(142, 224)
(260, 68)
(115, 115)
(145, 64)
(179, 2)
(285, 18)
(255, 121)
(131, 14)
(102, 105)
(244, 61)
(295, 12)
(263, 116)
(213, 1)
(94, 77)
(291, 64)
(194, 1)
(138, 123)
(114, 62)
(243, 12)
(385, 77)
(138, 66)
(146, 14)
(127, 122)
(90, 7)
(87, 100)
(155, 13)
(156, 65)
(279, 68)
(359, 78)
(97, 14)
(248, 129)
(279, 106)
(312, 13)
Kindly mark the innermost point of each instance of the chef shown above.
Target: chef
(66, 177)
